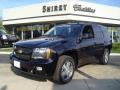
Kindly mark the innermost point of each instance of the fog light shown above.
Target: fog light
(39, 68)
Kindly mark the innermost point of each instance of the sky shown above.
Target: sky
(14, 3)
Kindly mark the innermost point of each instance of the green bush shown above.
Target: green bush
(116, 47)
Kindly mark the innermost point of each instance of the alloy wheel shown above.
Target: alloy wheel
(67, 70)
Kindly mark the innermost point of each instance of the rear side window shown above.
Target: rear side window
(101, 32)
(98, 32)
(105, 32)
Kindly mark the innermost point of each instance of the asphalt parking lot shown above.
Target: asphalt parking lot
(90, 76)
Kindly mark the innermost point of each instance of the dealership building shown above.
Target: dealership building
(34, 20)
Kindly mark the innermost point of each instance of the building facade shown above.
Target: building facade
(34, 20)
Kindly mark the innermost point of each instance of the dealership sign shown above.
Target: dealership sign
(63, 7)
(54, 8)
(84, 9)
(65, 10)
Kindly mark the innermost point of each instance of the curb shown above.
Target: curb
(115, 54)
(5, 52)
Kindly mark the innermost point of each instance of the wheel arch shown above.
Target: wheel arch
(73, 54)
(109, 47)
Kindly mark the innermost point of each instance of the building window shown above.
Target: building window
(115, 33)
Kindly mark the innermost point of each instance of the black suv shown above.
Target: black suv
(6, 39)
(59, 52)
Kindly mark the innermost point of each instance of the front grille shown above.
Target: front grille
(23, 53)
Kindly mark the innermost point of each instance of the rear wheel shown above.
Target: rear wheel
(64, 70)
(105, 57)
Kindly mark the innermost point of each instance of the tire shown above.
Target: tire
(1, 44)
(105, 57)
(64, 70)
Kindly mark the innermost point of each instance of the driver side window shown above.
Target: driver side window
(87, 32)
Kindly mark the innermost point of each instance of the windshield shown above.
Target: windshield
(2, 31)
(64, 30)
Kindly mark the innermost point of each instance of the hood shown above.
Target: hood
(41, 42)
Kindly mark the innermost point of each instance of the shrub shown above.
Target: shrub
(116, 45)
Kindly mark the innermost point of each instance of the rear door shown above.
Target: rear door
(99, 40)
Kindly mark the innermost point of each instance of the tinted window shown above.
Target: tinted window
(105, 32)
(98, 32)
(88, 32)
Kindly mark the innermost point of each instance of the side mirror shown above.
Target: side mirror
(85, 36)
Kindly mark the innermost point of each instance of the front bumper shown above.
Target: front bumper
(39, 74)
(32, 67)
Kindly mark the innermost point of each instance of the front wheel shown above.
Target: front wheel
(105, 57)
(64, 70)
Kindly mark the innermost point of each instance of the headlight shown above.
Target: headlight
(41, 53)
(4, 37)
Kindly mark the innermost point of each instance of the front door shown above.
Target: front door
(86, 46)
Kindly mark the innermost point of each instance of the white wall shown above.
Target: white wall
(102, 14)
(32, 10)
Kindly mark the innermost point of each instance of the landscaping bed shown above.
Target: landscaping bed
(116, 48)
